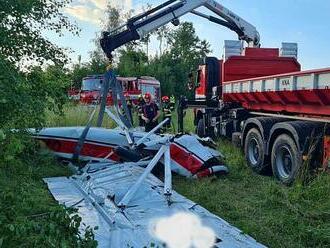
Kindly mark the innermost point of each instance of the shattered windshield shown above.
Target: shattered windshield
(90, 84)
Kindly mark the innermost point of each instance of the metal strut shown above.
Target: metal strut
(112, 83)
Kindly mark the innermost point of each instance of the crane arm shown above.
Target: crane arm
(170, 11)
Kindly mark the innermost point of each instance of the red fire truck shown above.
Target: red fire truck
(92, 85)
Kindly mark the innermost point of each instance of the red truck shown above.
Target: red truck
(261, 100)
(91, 88)
(256, 96)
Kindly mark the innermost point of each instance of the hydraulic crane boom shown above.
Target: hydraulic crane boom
(140, 25)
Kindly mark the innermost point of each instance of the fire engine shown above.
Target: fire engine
(133, 86)
(258, 97)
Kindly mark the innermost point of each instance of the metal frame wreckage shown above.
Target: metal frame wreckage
(124, 199)
(115, 189)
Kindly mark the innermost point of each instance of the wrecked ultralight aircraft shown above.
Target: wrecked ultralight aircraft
(190, 156)
(129, 205)
(116, 192)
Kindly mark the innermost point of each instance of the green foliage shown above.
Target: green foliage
(186, 45)
(21, 26)
(132, 62)
(25, 96)
(29, 217)
(185, 53)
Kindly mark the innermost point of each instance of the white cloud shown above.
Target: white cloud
(86, 14)
(92, 11)
(101, 4)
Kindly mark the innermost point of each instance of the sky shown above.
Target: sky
(303, 21)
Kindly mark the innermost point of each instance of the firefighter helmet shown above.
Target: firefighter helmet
(147, 96)
(165, 98)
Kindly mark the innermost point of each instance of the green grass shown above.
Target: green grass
(76, 115)
(275, 215)
(29, 216)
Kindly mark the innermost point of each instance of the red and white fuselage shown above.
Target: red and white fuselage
(189, 157)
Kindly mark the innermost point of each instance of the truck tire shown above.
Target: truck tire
(286, 159)
(255, 152)
(200, 129)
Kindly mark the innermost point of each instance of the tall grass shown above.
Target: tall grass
(77, 115)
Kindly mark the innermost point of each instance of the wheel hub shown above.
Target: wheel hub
(254, 151)
(284, 161)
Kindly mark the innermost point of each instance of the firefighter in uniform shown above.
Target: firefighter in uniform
(139, 108)
(172, 102)
(129, 104)
(167, 111)
(151, 113)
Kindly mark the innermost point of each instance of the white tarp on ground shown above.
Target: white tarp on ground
(97, 192)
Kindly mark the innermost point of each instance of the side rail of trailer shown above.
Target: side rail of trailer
(304, 93)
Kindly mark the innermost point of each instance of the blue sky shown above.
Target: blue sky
(303, 21)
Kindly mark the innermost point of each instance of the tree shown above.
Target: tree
(185, 53)
(162, 34)
(78, 73)
(25, 96)
(21, 26)
(186, 46)
(132, 62)
(146, 40)
(113, 20)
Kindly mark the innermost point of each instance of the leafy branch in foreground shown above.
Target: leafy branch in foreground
(22, 24)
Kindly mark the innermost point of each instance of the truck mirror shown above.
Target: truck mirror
(191, 81)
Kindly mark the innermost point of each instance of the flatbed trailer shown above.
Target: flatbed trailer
(303, 93)
(265, 104)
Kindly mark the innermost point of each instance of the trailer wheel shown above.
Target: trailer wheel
(200, 129)
(254, 151)
(286, 159)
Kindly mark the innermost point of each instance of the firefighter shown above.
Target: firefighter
(172, 102)
(129, 104)
(167, 111)
(151, 113)
(139, 108)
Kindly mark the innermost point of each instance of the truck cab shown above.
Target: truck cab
(134, 86)
(238, 63)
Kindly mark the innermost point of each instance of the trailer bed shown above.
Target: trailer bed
(304, 93)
